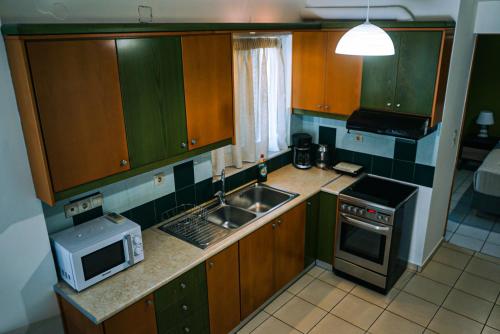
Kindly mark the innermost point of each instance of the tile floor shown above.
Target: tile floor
(457, 292)
(467, 229)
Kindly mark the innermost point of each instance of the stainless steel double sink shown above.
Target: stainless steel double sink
(221, 219)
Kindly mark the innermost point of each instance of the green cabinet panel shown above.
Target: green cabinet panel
(326, 226)
(152, 88)
(417, 71)
(378, 84)
(183, 303)
(311, 245)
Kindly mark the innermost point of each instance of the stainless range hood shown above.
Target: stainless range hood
(389, 123)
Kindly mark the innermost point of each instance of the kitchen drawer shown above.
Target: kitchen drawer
(192, 284)
(181, 310)
(197, 323)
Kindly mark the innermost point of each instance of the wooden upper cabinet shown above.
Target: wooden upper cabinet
(290, 245)
(208, 88)
(223, 282)
(308, 70)
(80, 109)
(256, 268)
(153, 98)
(343, 79)
(321, 79)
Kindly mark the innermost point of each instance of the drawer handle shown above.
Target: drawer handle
(186, 330)
(398, 105)
(183, 285)
(193, 141)
(389, 104)
(183, 145)
(185, 307)
(123, 163)
(211, 264)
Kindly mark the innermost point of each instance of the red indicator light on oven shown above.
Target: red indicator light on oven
(371, 211)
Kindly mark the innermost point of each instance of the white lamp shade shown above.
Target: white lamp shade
(485, 118)
(365, 40)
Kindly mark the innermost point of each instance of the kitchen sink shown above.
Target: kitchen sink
(259, 198)
(230, 217)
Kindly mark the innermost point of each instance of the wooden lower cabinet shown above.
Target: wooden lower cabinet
(289, 245)
(139, 318)
(270, 257)
(223, 282)
(256, 268)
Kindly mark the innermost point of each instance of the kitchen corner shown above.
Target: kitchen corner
(167, 257)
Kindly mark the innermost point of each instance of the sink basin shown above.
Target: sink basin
(259, 198)
(230, 217)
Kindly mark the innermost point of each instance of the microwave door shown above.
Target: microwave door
(364, 243)
(103, 262)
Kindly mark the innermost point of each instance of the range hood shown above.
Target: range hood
(389, 123)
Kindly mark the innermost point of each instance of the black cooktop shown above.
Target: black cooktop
(381, 191)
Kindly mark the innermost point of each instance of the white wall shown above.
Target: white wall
(170, 10)
(27, 269)
(454, 106)
(488, 13)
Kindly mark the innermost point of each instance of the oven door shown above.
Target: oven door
(364, 243)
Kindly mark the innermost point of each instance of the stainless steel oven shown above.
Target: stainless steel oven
(373, 233)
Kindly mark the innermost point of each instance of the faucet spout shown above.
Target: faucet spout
(221, 194)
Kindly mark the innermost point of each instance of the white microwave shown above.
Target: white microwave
(92, 251)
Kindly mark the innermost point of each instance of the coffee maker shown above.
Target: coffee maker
(301, 145)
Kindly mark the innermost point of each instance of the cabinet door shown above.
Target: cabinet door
(326, 226)
(343, 79)
(290, 242)
(417, 71)
(223, 283)
(153, 98)
(139, 318)
(312, 217)
(256, 269)
(308, 70)
(208, 87)
(80, 109)
(379, 78)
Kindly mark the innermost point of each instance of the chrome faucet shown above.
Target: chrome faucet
(221, 194)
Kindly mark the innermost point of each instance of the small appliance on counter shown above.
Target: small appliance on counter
(323, 160)
(374, 231)
(348, 168)
(301, 143)
(92, 251)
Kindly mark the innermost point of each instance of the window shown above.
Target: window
(262, 89)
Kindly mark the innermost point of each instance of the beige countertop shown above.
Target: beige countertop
(167, 257)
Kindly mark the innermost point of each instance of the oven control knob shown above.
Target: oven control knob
(355, 210)
(137, 251)
(361, 212)
(386, 219)
(343, 207)
(136, 240)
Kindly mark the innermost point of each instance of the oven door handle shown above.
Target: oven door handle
(366, 226)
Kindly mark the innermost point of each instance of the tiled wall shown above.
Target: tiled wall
(405, 160)
(186, 183)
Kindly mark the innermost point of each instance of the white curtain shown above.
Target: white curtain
(262, 101)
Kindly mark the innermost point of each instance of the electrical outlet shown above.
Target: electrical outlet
(83, 205)
(159, 179)
(358, 138)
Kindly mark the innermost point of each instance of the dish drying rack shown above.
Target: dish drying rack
(193, 226)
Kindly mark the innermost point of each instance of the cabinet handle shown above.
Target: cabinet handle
(309, 203)
(279, 221)
(186, 330)
(123, 163)
(193, 141)
(327, 106)
(398, 105)
(211, 264)
(389, 104)
(149, 302)
(319, 106)
(183, 145)
(185, 307)
(274, 225)
(183, 285)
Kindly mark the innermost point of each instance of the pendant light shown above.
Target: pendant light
(366, 39)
